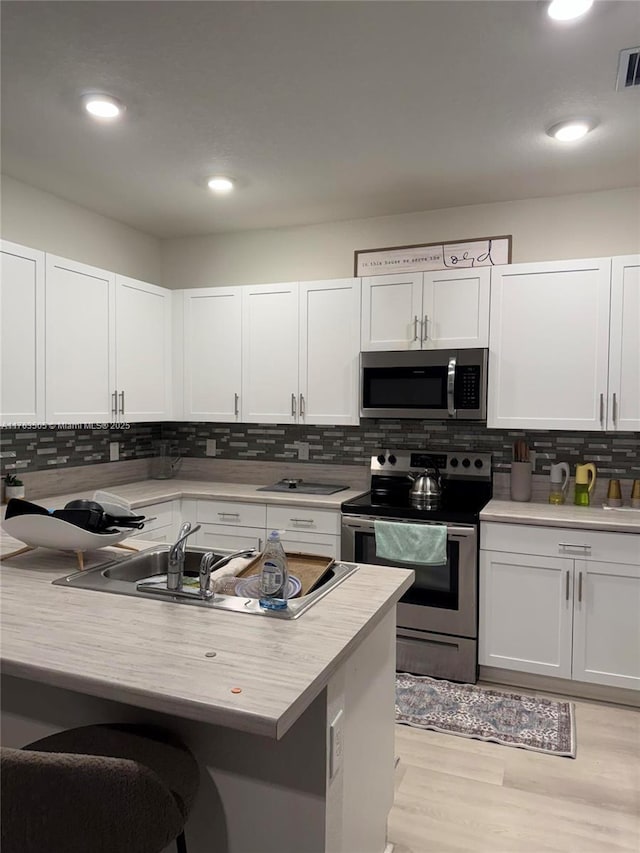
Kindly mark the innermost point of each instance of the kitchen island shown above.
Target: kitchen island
(274, 777)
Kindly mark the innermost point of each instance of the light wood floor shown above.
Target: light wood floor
(456, 795)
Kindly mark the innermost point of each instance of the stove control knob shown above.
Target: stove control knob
(466, 463)
(381, 459)
(392, 460)
(478, 463)
(453, 462)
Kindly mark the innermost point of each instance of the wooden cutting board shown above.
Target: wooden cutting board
(308, 568)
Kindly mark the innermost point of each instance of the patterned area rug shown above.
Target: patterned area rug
(507, 718)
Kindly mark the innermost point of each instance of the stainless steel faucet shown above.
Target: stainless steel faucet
(175, 566)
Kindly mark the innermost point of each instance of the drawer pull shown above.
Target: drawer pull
(302, 520)
(229, 514)
(566, 590)
(565, 545)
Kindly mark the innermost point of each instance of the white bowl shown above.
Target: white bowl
(46, 531)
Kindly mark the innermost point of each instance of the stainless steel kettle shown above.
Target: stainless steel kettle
(426, 491)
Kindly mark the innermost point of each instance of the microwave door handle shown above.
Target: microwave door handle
(451, 384)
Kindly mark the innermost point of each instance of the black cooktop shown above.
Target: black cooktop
(459, 506)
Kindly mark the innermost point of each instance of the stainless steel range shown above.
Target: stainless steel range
(438, 616)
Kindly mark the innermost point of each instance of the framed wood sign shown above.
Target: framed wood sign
(452, 254)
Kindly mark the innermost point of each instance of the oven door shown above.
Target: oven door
(442, 599)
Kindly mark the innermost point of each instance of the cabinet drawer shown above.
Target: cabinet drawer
(221, 536)
(321, 544)
(561, 542)
(163, 515)
(299, 518)
(231, 512)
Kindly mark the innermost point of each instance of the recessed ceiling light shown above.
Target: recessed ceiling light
(566, 10)
(220, 184)
(103, 106)
(572, 130)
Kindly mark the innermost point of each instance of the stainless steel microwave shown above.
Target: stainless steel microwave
(425, 384)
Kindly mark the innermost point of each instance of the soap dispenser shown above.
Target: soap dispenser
(558, 483)
(585, 481)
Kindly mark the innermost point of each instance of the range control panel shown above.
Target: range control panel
(463, 464)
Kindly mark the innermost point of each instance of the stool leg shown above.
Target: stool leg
(181, 844)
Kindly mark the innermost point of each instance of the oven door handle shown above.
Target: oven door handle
(367, 526)
(451, 384)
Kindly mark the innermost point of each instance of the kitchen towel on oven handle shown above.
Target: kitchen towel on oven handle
(411, 543)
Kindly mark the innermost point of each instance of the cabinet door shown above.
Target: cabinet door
(624, 350)
(79, 342)
(212, 354)
(526, 608)
(549, 349)
(22, 395)
(270, 354)
(143, 350)
(455, 308)
(606, 643)
(391, 312)
(329, 352)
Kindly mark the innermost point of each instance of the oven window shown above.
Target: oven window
(404, 388)
(434, 586)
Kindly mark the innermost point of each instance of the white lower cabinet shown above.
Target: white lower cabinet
(163, 521)
(566, 604)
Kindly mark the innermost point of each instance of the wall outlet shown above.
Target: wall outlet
(303, 450)
(211, 447)
(114, 451)
(336, 743)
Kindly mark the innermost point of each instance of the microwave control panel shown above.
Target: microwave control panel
(467, 390)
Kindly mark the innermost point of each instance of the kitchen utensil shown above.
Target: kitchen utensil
(426, 491)
(90, 515)
(558, 482)
(614, 493)
(165, 463)
(585, 481)
(520, 485)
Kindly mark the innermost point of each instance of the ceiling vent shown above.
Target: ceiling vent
(628, 69)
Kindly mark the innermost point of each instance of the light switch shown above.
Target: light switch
(336, 743)
(303, 450)
(114, 451)
(211, 447)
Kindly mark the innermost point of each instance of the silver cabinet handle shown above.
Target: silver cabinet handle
(568, 545)
(425, 336)
(579, 586)
(236, 401)
(451, 384)
(114, 403)
(615, 407)
(229, 514)
(301, 405)
(122, 402)
(415, 328)
(259, 543)
(602, 408)
(566, 590)
(301, 520)
(293, 405)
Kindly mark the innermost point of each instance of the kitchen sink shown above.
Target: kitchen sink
(122, 576)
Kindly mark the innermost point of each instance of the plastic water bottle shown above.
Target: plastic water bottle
(274, 575)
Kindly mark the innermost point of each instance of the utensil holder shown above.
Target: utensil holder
(521, 475)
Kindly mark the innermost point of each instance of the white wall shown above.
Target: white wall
(43, 221)
(575, 226)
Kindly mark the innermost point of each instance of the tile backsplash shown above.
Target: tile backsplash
(615, 454)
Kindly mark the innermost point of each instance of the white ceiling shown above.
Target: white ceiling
(322, 111)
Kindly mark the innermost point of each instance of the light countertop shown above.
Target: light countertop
(566, 515)
(157, 491)
(152, 653)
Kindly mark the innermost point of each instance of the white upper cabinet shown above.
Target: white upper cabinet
(329, 352)
(143, 350)
(212, 329)
(445, 309)
(270, 353)
(455, 308)
(624, 352)
(392, 312)
(22, 377)
(549, 345)
(80, 343)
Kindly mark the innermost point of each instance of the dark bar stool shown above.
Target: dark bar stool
(113, 788)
